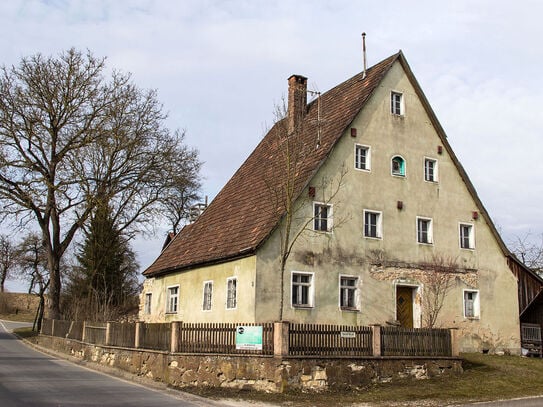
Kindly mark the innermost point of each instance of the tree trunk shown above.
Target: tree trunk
(53, 311)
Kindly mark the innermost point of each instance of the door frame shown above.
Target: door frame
(416, 299)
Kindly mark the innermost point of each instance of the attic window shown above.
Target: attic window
(322, 215)
(396, 104)
(430, 170)
(362, 157)
(398, 166)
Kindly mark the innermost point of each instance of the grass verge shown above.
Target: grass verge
(19, 317)
(485, 378)
(26, 332)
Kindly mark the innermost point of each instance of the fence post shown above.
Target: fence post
(84, 334)
(70, 329)
(280, 338)
(138, 335)
(376, 339)
(108, 333)
(455, 342)
(174, 338)
(52, 327)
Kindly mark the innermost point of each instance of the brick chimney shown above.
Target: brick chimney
(297, 101)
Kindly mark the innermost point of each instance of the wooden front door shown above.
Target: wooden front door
(404, 306)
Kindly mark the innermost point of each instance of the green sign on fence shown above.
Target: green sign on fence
(249, 337)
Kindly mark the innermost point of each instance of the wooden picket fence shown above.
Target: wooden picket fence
(330, 340)
(156, 336)
(220, 338)
(295, 339)
(95, 332)
(122, 334)
(397, 341)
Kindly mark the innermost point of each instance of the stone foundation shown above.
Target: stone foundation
(263, 373)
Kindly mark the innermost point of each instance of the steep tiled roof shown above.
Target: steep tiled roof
(243, 214)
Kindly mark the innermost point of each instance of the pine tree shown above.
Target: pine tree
(104, 282)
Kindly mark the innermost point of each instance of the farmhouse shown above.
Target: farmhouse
(352, 210)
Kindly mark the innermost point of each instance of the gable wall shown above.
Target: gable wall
(191, 285)
(346, 251)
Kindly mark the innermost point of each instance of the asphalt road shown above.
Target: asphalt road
(31, 378)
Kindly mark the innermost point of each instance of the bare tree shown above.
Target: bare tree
(285, 186)
(182, 189)
(439, 279)
(8, 259)
(70, 138)
(32, 263)
(529, 250)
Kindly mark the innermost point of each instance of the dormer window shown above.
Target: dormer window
(398, 166)
(396, 103)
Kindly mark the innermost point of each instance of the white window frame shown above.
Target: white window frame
(207, 297)
(476, 304)
(172, 308)
(471, 236)
(379, 225)
(300, 288)
(318, 220)
(344, 288)
(231, 302)
(403, 171)
(147, 303)
(429, 232)
(397, 107)
(367, 163)
(435, 170)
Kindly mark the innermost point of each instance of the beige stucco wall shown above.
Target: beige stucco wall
(191, 286)
(346, 251)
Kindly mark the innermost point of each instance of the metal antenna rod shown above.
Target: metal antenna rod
(364, 54)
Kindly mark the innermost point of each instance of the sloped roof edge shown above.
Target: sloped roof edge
(443, 136)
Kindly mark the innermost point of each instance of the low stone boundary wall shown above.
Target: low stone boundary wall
(263, 373)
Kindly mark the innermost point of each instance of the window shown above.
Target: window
(302, 289)
(396, 103)
(322, 217)
(208, 294)
(471, 304)
(430, 170)
(172, 299)
(348, 293)
(231, 293)
(398, 166)
(424, 230)
(372, 224)
(147, 306)
(362, 157)
(467, 240)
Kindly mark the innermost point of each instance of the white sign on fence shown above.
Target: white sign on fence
(347, 334)
(249, 337)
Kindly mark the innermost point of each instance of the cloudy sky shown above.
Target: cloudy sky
(220, 66)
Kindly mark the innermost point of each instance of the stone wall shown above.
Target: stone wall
(270, 374)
